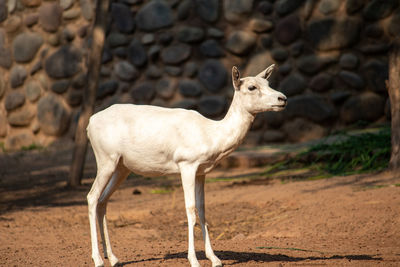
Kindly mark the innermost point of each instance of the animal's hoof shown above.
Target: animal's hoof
(114, 261)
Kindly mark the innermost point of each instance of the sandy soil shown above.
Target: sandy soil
(338, 221)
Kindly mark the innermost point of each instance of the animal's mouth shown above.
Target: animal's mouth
(279, 106)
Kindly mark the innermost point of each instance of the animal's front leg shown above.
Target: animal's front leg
(200, 209)
(188, 175)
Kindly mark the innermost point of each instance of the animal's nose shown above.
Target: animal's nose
(282, 98)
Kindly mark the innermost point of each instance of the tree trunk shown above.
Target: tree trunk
(89, 98)
(394, 95)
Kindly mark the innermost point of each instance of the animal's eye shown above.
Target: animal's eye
(252, 87)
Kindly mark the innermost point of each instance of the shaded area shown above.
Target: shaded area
(244, 257)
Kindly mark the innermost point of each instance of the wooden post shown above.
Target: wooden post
(394, 95)
(89, 97)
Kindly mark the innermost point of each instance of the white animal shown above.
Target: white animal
(153, 141)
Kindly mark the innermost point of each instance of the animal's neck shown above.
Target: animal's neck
(234, 127)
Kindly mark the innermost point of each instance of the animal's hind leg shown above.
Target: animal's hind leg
(105, 168)
(117, 178)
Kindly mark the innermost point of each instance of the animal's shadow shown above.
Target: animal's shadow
(243, 257)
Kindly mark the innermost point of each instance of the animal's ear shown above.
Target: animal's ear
(236, 78)
(267, 72)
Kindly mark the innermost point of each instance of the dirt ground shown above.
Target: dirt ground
(351, 220)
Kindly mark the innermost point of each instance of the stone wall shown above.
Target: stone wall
(332, 57)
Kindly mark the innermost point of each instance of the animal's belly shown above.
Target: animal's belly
(150, 166)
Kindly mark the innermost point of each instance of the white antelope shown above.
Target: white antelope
(154, 141)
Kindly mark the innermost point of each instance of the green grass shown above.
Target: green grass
(352, 154)
(346, 155)
(31, 147)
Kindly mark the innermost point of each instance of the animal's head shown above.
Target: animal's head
(255, 93)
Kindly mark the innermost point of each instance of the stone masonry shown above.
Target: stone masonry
(332, 57)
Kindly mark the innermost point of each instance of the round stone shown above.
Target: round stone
(5, 57)
(136, 53)
(176, 54)
(288, 29)
(185, 104)
(377, 9)
(215, 33)
(12, 24)
(71, 14)
(50, 16)
(115, 39)
(348, 61)
(125, 71)
(33, 91)
(17, 141)
(284, 7)
(122, 17)
(148, 39)
(189, 34)
(311, 64)
(52, 116)
(332, 33)
(184, 9)
(22, 117)
(14, 100)
(208, 10)
(359, 107)
(321, 82)
(31, 19)
(153, 16)
(293, 84)
(279, 54)
(352, 6)
(213, 75)
(352, 79)
(235, 10)
(173, 70)
(240, 42)
(18, 75)
(190, 88)
(63, 63)
(143, 93)
(327, 7)
(376, 73)
(212, 106)
(26, 45)
(66, 4)
(265, 7)
(211, 48)
(87, 9)
(60, 87)
(165, 38)
(153, 72)
(260, 25)
(302, 130)
(166, 88)
(106, 89)
(310, 106)
(190, 69)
